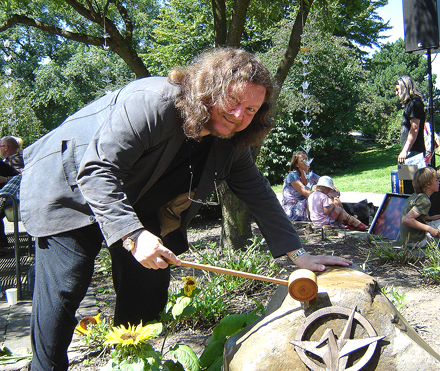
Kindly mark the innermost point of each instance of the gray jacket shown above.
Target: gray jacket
(101, 160)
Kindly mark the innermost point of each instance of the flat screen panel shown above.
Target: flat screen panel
(386, 222)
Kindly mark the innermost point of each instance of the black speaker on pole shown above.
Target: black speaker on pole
(421, 25)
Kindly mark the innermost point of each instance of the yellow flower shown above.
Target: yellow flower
(83, 326)
(190, 285)
(132, 335)
(304, 50)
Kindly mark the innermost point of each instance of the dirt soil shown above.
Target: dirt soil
(421, 297)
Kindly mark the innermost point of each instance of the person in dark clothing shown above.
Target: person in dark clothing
(413, 120)
(133, 168)
(10, 152)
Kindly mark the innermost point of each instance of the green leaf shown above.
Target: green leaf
(188, 311)
(217, 365)
(212, 352)
(230, 325)
(172, 366)
(185, 355)
(134, 365)
(5, 351)
(181, 304)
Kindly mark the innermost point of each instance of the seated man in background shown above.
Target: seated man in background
(10, 151)
(414, 227)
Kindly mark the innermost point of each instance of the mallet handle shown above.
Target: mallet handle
(232, 272)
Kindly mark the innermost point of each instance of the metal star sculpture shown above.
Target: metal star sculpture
(335, 351)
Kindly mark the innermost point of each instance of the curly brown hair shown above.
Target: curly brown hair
(206, 82)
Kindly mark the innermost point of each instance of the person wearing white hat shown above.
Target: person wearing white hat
(324, 211)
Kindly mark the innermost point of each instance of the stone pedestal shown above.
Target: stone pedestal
(268, 344)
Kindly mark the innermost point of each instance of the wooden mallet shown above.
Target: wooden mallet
(302, 284)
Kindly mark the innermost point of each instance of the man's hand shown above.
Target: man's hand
(317, 263)
(150, 252)
(402, 156)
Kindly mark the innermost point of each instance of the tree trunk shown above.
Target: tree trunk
(236, 221)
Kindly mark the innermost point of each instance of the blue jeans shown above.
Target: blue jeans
(63, 272)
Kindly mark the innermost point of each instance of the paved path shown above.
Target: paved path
(14, 320)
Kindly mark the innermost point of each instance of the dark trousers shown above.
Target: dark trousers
(63, 271)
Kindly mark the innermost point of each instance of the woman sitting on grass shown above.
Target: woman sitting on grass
(297, 187)
(324, 211)
(414, 229)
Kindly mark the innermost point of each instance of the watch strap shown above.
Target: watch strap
(130, 240)
(298, 253)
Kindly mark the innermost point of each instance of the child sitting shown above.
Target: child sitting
(413, 223)
(324, 210)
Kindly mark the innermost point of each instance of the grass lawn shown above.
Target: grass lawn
(371, 173)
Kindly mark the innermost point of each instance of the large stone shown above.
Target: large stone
(266, 344)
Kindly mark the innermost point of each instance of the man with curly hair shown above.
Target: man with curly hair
(133, 168)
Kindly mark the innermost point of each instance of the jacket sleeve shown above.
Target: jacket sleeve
(249, 185)
(134, 126)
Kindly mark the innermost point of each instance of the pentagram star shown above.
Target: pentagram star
(334, 352)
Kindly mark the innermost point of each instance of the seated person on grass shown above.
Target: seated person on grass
(324, 211)
(413, 223)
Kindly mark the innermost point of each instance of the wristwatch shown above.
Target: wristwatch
(129, 241)
(297, 254)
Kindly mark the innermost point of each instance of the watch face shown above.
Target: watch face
(128, 244)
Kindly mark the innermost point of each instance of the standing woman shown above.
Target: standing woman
(413, 120)
(298, 186)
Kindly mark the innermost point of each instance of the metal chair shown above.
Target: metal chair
(16, 218)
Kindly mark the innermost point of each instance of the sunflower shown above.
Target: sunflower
(83, 327)
(132, 335)
(190, 285)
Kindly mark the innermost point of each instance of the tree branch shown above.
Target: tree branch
(86, 13)
(127, 20)
(237, 22)
(293, 46)
(22, 19)
(219, 13)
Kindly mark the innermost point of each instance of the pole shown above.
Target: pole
(431, 110)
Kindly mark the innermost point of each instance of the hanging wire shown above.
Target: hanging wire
(9, 85)
(305, 94)
(106, 70)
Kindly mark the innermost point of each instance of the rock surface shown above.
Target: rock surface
(267, 344)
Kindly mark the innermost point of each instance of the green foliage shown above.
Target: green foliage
(212, 356)
(431, 266)
(388, 253)
(386, 66)
(220, 289)
(104, 263)
(394, 296)
(8, 357)
(338, 104)
(181, 31)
